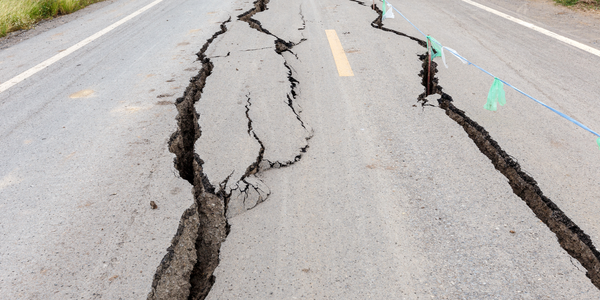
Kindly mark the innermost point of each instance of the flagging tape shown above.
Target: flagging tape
(495, 96)
(411, 23)
(497, 81)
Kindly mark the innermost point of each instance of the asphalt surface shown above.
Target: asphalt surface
(340, 187)
(78, 172)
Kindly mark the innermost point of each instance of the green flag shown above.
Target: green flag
(435, 45)
(496, 95)
(598, 141)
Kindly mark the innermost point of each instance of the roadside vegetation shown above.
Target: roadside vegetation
(23, 14)
(582, 3)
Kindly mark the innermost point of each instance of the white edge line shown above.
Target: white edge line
(538, 29)
(10, 83)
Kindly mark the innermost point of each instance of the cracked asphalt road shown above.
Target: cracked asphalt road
(78, 172)
(333, 187)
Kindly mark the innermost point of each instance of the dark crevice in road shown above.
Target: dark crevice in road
(377, 23)
(243, 186)
(429, 80)
(255, 166)
(186, 271)
(290, 102)
(260, 6)
(570, 236)
(280, 44)
(292, 97)
(359, 2)
(188, 131)
(261, 164)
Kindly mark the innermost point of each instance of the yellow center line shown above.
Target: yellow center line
(341, 61)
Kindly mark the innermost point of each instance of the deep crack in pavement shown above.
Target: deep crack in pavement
(186, 270)
(570, 236)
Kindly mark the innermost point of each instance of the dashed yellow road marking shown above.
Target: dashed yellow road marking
(82, 94)
(341, 61)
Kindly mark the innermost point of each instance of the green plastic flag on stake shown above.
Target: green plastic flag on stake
(496, 95)
(435, 45)
(598, 141)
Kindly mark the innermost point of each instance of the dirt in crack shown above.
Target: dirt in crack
(428, 79)
(186, 271)
(570, 236)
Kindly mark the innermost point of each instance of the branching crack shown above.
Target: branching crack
(226, 196)
(261, 164)
(186, 271)
(292, 95)
(260, 6)
(247, 191)
(570, 236)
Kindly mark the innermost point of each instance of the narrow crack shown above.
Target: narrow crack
(221, 56)
(255, 166)
(302, 18)
(248, 104)
(248, 50)
(570, 236)
(377, 23)
(359, 2)
(290, 102)
(246, 191)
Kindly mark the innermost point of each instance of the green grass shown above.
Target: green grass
(567, 2)
(23, 14)
(590, 3)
